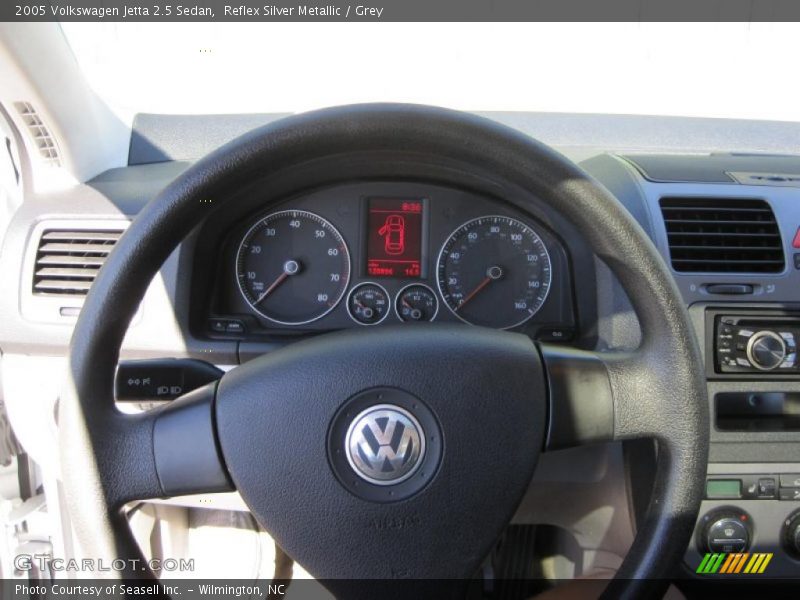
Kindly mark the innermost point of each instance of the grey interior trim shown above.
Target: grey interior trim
(785, 203)
(711, 168)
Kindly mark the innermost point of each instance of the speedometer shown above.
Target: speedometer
(494, 271)
(293, 267)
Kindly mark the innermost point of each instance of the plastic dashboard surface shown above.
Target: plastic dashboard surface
(389, 239)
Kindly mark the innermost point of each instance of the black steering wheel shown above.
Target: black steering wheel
(483, 403)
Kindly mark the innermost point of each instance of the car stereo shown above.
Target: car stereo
(757, 344)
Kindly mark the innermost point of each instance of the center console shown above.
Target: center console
(731, 237)
(752, 493)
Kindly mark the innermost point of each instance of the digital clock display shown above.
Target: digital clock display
(394, 237)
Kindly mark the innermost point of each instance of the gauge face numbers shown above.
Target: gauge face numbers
(494, 271)
(416, 303)
(293, 267)
(368, 304)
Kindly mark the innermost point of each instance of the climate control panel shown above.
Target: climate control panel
(756, 345)
(748, 524)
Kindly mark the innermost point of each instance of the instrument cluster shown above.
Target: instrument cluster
(380, 253)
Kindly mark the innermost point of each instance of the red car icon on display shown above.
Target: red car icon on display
(394, 233)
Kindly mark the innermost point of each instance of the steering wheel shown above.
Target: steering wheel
(476, 407)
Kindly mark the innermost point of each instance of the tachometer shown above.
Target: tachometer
(293, 267)
(494, 271)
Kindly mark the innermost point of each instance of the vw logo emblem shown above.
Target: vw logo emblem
(385, 444)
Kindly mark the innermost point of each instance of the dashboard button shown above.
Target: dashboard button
(234, 327)
(790, 480)
(217, 325)
(766, 487)
(790, 494)
(723, 488)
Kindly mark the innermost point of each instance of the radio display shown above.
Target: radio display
(394, 237)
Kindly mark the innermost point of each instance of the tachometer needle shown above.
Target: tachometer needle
(290, 267)
(492, 273)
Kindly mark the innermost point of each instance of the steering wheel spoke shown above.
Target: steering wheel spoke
(185, 446)
(580, 397)
(169, 451)
(604, 396)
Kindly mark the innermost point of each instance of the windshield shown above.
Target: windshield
(733, 70)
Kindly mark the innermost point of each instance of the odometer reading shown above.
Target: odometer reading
(494, 271)
(293, 267)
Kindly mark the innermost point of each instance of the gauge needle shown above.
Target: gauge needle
(289, 268)
(491, 274)
(366, 311)
(474, 292)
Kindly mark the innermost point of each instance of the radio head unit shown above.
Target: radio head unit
(756, 344)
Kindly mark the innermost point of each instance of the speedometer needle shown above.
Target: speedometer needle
(492, 273)
(290, 267)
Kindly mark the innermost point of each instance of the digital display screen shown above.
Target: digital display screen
(394, 237)
(723, 488)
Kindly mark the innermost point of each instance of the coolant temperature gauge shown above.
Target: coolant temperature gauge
(368, 304)
(416, 302)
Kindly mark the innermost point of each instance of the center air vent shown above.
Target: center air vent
(715, 235)
(67, 261)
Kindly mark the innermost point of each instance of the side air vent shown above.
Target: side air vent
(42, 139)
(67, 261)
(716, 235)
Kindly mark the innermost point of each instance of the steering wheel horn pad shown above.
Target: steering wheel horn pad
(274, 414)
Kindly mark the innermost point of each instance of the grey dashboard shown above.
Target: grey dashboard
(714, 167)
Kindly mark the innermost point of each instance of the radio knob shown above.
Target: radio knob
(766, 350)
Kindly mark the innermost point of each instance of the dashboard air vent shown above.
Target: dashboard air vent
(68, 261)
(44, 141)
(716, 235)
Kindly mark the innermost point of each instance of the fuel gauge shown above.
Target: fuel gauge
(416, 303)
(368, 304)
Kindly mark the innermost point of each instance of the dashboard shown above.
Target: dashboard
(374, 254)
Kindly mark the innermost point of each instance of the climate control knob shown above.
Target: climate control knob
(766, 350)
(725, 530)
(791, 534)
